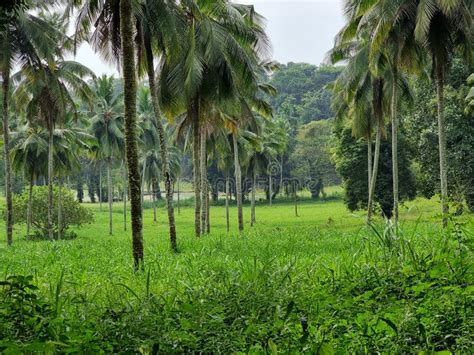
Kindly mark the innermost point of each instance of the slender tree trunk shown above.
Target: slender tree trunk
(29, 216)
(131, 148)
(281, 175)
(295, 195)
(227, 192)
(179, 192)
(109, 192)
(270, 188)
(238, 183)
(163, 148)
(395, 146)
(153, 194)
(369, 162)
(443, 166)
(373, 180)
(143, 182)
(125, 196)
(6, 152)
(50, 179)
(197, 171)
(60, 208)
(100, 186)
(208, 215)
(203, 180)
(252, 202)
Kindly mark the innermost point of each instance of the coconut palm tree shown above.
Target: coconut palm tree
(118, 42)
(158, 28)
(391, 39)
(131, 145)
(154, 23)
(29, 154)
(107, 127)
(360, 96)
(45, 91)
(272, 142)
(441, 28)
(24, 38)
(223, 41)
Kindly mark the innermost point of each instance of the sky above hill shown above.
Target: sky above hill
(300, 31)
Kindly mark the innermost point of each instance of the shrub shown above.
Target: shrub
(73, 214)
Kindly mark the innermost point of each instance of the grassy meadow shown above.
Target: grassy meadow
(321, 282)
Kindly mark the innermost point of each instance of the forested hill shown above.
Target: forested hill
(302, 96)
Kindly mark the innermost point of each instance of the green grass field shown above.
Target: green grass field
(320, 282)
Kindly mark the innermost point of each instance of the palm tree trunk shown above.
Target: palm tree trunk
(227, 192)
(197, 172)
(29, 216)
(208, 215)
(6, 147)
(203, 180)
(100, 186)
(131, 148)
(395, 146)
(369, 162)
(238, 183)
(163, 148)
(270, 188)
(375, 169)
(50, 179)
(179, 192)
(125, 196)
(109, 192)
(153, 194)
(443, 166)
(60, 208)
(252, 201)
(143, 181)
(295, 195)
(281, 175)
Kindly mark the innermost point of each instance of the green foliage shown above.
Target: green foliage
(422, 137)
(351, 164)
(301, 93)
(318, 287)
(73, 214)
(470, 95)
(311, 161)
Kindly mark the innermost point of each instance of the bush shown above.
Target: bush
(73, 214)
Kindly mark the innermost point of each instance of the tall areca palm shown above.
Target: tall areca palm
(107, 127)
(24, 38)
(45, 91)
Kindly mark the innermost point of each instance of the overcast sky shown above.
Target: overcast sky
(300, 31)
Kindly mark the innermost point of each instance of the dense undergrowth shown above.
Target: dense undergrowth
(308, 288)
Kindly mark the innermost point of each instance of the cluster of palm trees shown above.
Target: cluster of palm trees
(382, 44)
(202, 61)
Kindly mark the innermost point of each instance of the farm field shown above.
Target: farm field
(321, 282)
